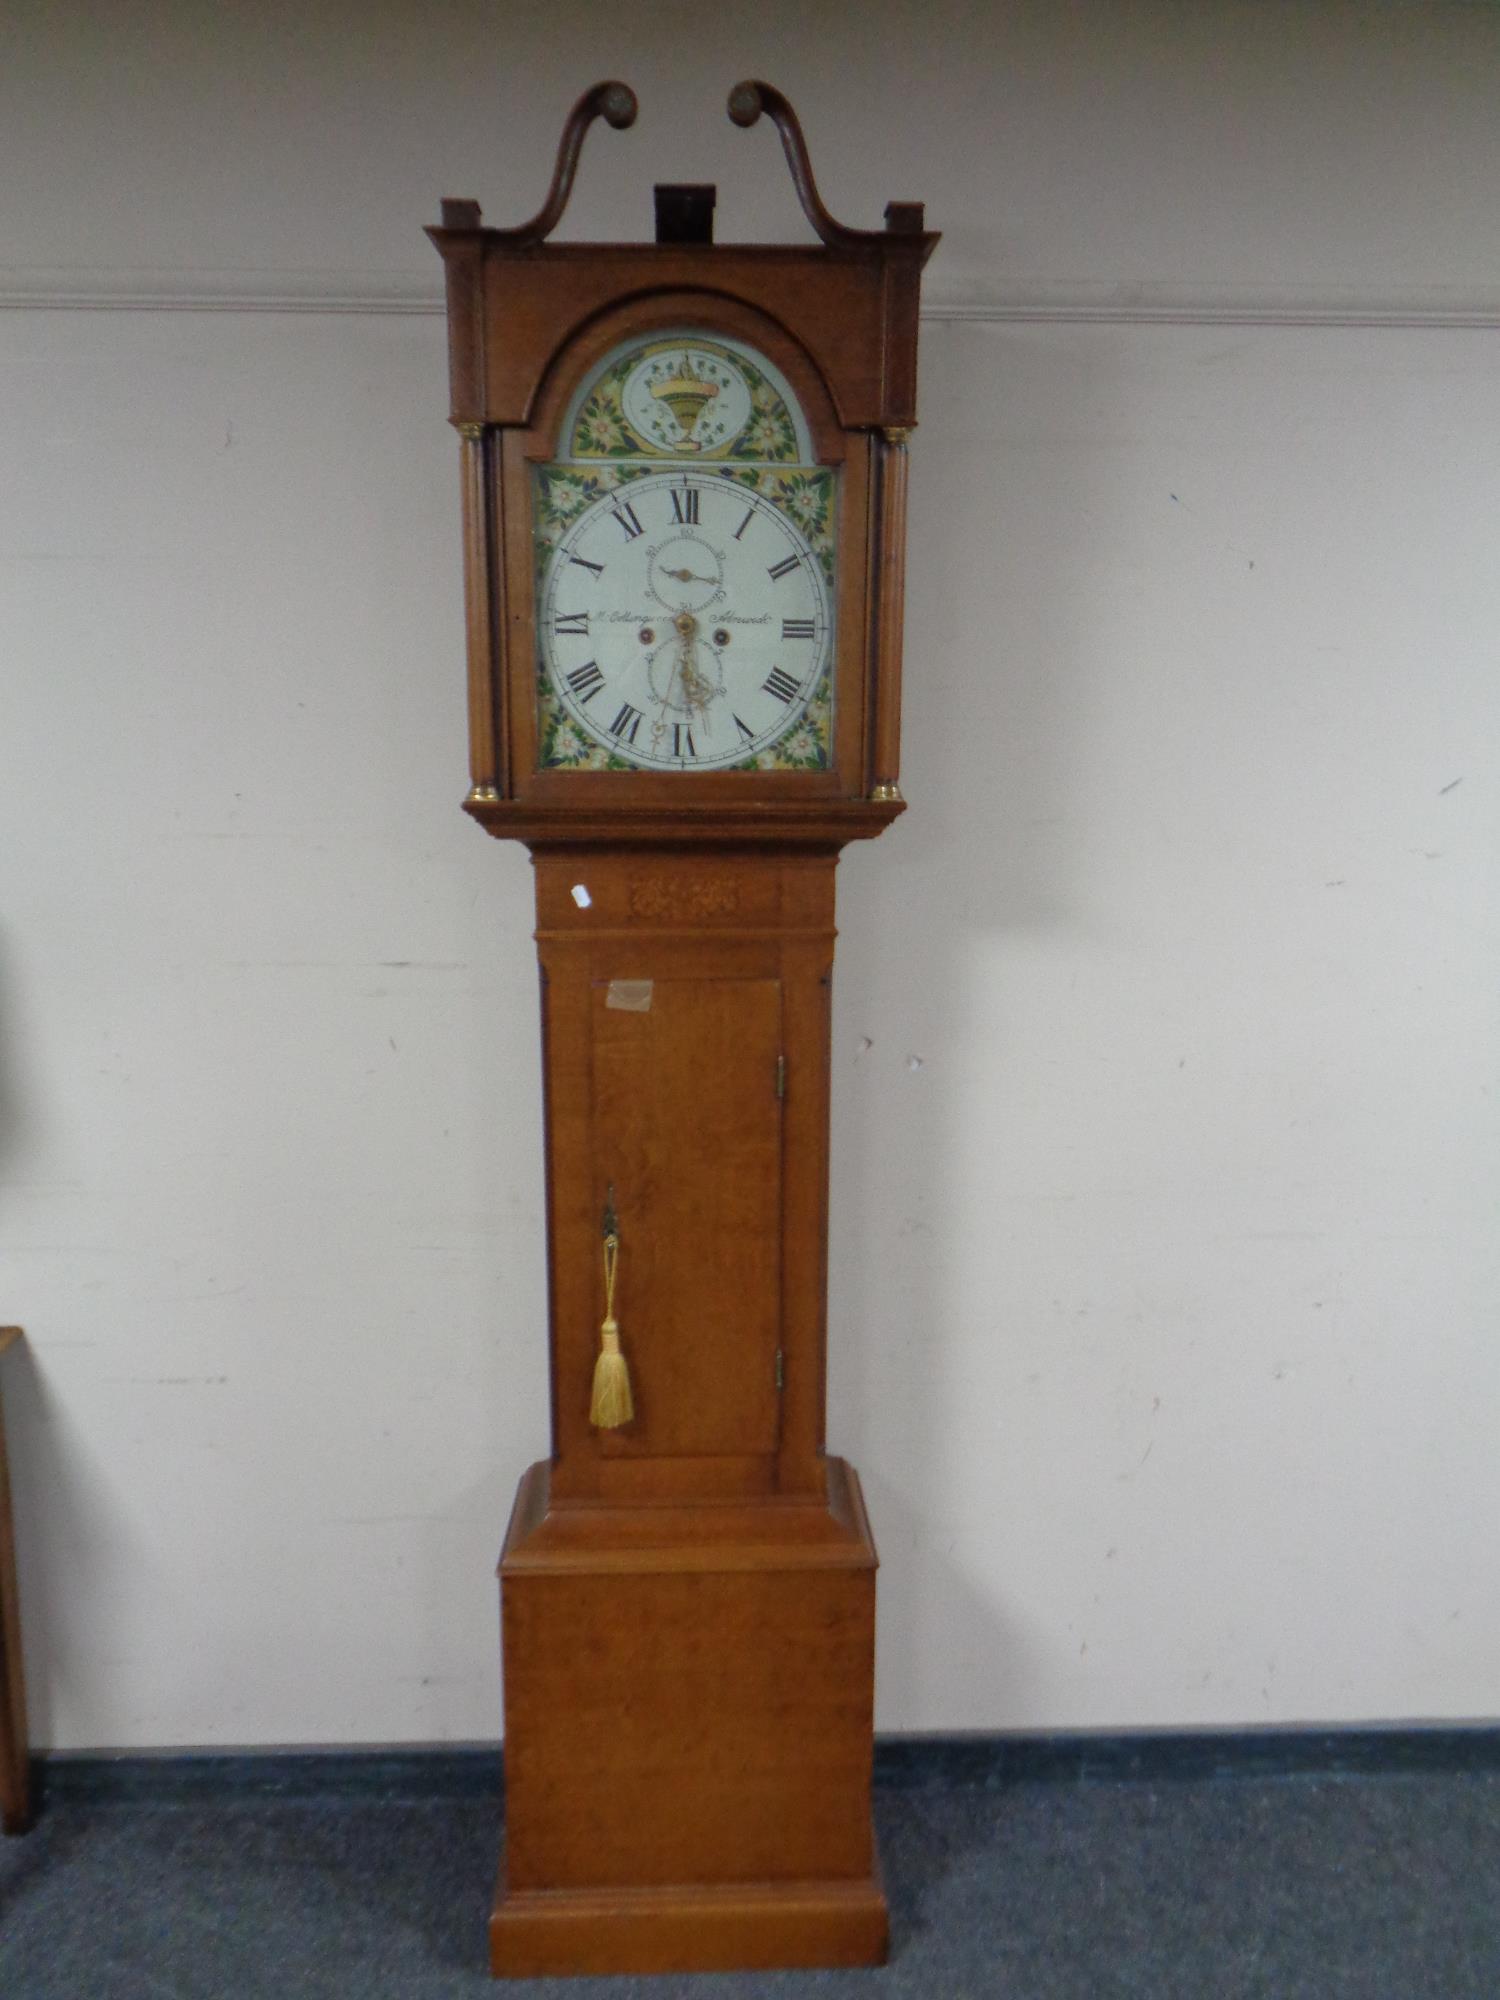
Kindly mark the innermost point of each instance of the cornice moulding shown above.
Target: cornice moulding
(1090, 302)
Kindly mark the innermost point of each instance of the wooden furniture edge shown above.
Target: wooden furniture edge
(813, 823)
(794, 1533)
(753, 1926)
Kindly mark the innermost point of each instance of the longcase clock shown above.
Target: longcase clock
(684, 487)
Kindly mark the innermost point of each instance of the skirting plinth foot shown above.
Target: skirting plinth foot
(742, 1927)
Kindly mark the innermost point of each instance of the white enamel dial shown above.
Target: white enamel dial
(684, 621)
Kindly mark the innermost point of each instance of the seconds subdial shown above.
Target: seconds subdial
(686, 573)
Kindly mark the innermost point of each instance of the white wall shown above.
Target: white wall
(1164, 1268)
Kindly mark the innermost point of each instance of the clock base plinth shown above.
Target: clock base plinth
(689, 1735)
(747, 1927)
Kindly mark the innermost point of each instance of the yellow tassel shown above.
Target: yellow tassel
(612, 1404)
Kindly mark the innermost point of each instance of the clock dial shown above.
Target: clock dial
(685, 553)
(684, 623)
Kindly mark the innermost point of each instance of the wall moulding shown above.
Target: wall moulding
(377, 294)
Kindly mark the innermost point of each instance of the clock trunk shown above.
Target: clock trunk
(686, 1076)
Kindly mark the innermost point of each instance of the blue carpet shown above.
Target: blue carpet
(1374, 1887)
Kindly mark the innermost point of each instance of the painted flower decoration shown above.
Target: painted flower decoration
(600, 432)
(806, 500)
(762, 437)
(568, 747)
(563, 498)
